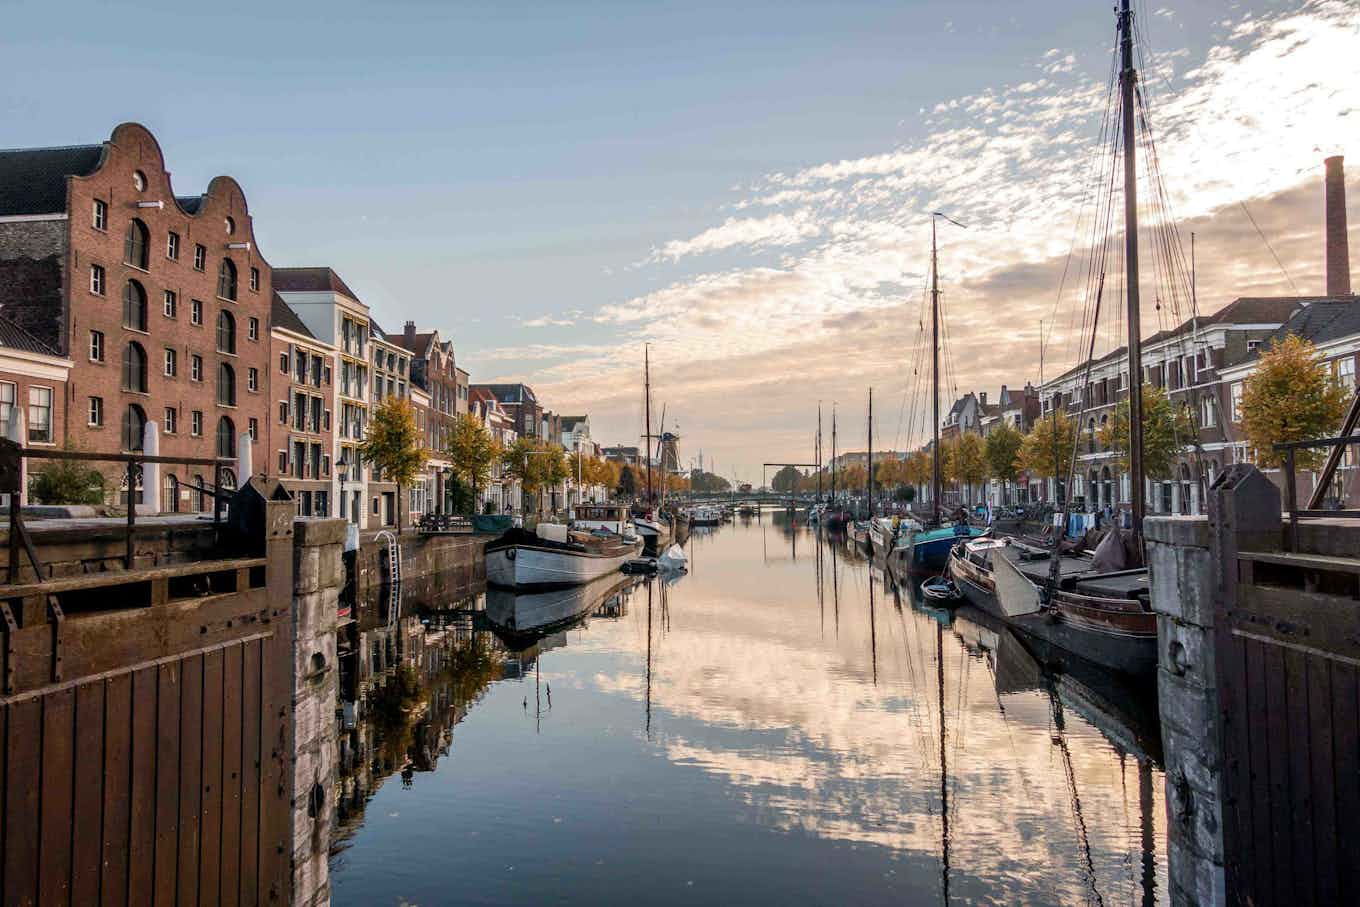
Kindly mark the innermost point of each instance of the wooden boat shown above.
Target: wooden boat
(918, 551)
(858, 532)
(1103, 617)
(706, 515)
(554, 556)
(655, 534)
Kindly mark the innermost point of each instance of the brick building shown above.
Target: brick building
(519, 401)
(161, 302)
(435, 371)
(302, 427)
(33, 380)
(335, 315)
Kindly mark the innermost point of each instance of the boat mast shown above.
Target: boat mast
(647, 405)
(1128, 76)
(819, 451)
(944, 764)
(934, 375)
(833, 453)
(870, 478)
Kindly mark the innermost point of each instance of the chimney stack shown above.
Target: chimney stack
(982, 398)
(410, 335)
(1338, 260)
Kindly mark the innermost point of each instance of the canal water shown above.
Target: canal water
(780, 725)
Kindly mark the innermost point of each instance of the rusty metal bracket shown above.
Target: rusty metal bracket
(56, 618)
(11, 627)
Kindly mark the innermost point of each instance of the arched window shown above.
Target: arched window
(226, 385)
(226, 279)
(1091, 429)
(134, 306)
(134, 367)
(226, 442)
(226, 332)
(1109, 485)
(134, 427)
(1093, 494)
(200, 497)
(170, 494)
(1185, 489)
(136, 243)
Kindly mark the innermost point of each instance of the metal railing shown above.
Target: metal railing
(1291, 502)
(9, 484)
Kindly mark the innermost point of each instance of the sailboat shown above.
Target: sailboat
(859, 529)
(1095, 606)
(836, 516)
(917, 549)
(653, 531)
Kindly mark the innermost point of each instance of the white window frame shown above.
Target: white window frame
(96, 346)
(99, 216)
(196, 423)
(171, 304)
(51, 403)
(195, 367)
(97, 281)
(170, 361)
(172, 246)
(1235, 395)
(94, 412)
(170, 421)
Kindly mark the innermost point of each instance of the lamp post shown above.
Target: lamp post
(341, 469)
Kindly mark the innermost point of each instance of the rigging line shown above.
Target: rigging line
(1261, 233)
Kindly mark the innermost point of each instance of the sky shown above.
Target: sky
(745, 186)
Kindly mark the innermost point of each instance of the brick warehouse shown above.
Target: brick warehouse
(162, 303)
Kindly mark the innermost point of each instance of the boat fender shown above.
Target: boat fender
(510, 554)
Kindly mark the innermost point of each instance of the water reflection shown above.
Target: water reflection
(781, 724)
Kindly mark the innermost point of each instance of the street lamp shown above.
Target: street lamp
(341, 468)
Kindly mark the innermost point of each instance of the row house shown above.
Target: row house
(302, 432)
(33, 381)
(435, 372)
(419, 498)
(502, 494)
(335, 315)
(390, 371)
(160, 302)
(520, 402)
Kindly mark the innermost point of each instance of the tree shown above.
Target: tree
(917, 468)
(627, 485)
(67, 482)
(394, 445)
(1003, 447)
(1167, 429)
(707, 481)
(969, 461)
(1047, 448)
(472, 451)
(1291, 397)
(535, 464)
(786, 479)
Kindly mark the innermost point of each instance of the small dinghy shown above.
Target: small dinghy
(940, 589)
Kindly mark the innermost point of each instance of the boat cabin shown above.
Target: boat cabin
(613, 518)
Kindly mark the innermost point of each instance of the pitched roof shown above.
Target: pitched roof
(1322, 322)
(190, 203)
(33, 180)
(569, 422)
(421, 345)
(16, 338)
(310, 280)
(282, 316)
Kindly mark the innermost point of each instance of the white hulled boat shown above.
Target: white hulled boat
(552, 555)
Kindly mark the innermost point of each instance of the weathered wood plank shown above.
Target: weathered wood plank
(1277, 721)
(1322, 778)
(22, 780)
(113, 886)
(58, 763)
(210, 813)
(250, 772)
(142, 824)
(275, 742)
(190, 776)
(112, 641)
(86, 843)
(1300, 811)
(1346, 758)
(1321, 623)
(231, 775)
(167, 782)
(126, 577)
(1238, 827)
(1263, 844)
(4, 786)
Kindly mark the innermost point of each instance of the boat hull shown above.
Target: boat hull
(534, 567)
(1085, 626)
(523, 617)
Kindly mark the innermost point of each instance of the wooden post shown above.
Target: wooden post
(1291, 499)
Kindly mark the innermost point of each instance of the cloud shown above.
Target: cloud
(821, 296)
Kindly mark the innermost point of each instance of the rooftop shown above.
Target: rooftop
(33, 180)
(284, 318)
(16, 338)
(311, 280)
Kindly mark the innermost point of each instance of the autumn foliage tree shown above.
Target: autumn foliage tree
(1167, 429)
(1002, 451)
(1291, 397)
(472, 451)
(1047, 448)
(394, 445)
(535, 464)
(786, 479)
(967, 461)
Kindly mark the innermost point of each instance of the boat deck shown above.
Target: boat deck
(1128, 584)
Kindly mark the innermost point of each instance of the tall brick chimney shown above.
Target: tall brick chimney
(1334, 224)
(410, 335)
